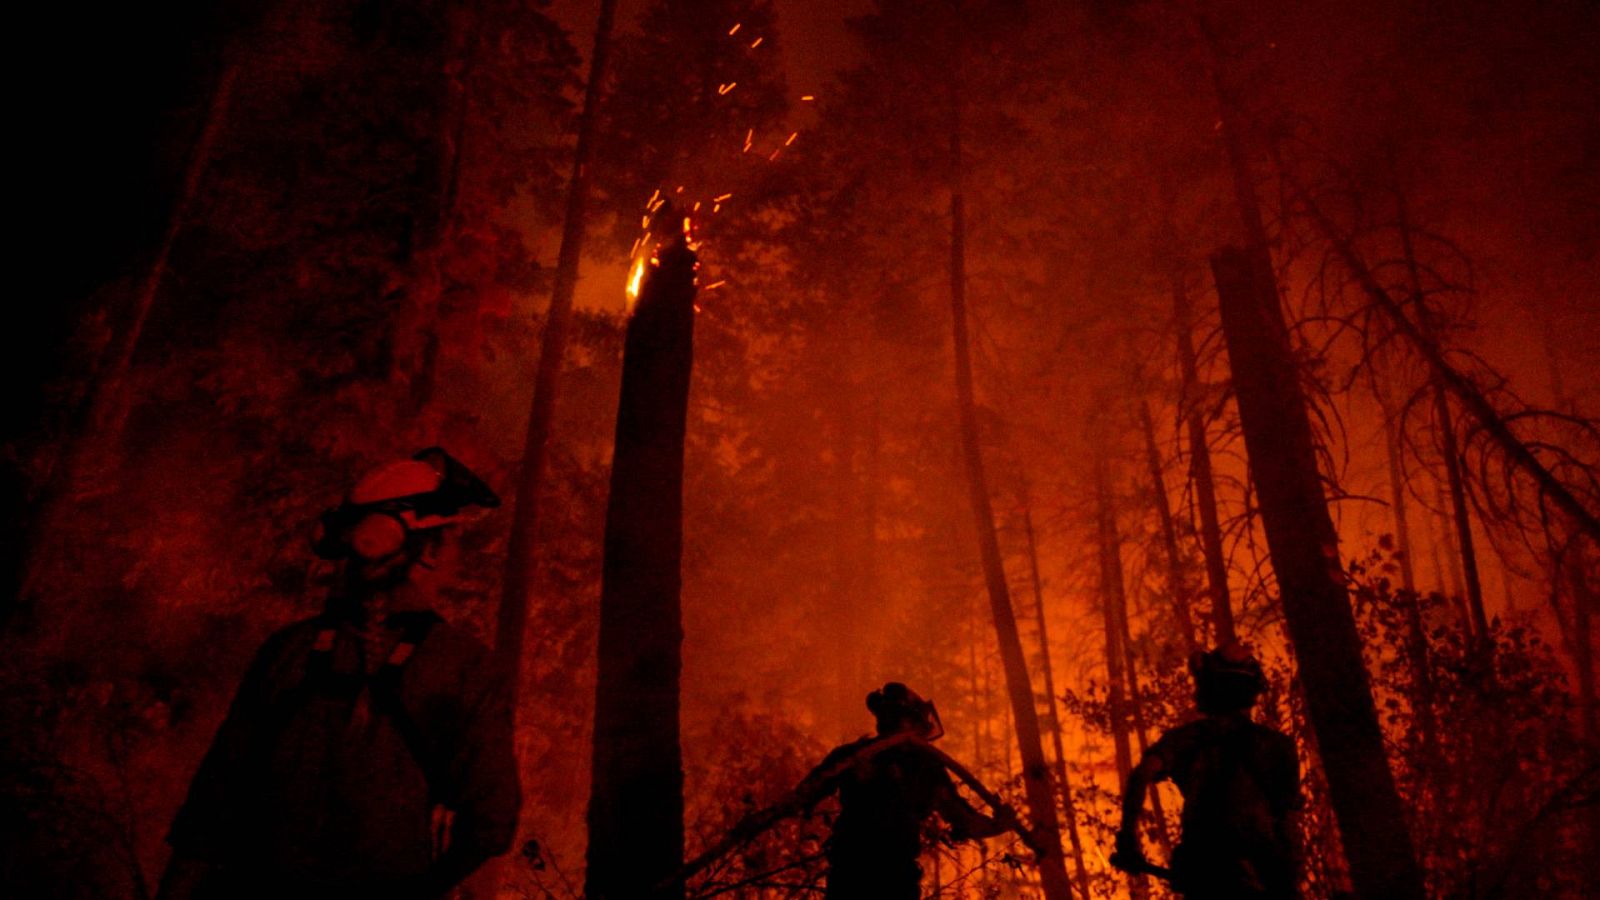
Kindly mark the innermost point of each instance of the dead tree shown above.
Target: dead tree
(523, 545)
(1113, 609)
(1205, 488)
(636, 795)
(1053, 707)
(1304, 548)
(1177, 585)
(1035, 772)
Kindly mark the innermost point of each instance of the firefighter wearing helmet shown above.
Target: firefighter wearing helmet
(1240, 783)
(368, 751)
(889, 788)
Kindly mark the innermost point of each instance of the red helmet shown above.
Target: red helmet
(387, 505)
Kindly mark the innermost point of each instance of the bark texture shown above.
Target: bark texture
(1305, 557)
(636, 795)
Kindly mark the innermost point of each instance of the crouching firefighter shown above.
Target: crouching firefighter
(368, 751)
(1240, 783)
(890, 786)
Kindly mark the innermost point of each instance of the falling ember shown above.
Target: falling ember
(774, 155)
(807, 98)
(791, 139)
(714, 285)
(724, 89)
(757, 43)
(721, 198)
(735, 29)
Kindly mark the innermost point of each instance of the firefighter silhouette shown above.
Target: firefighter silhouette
(368, 751)
(889, 786)
(1240, 783)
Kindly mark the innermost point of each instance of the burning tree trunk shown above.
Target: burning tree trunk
(636, 797)
(1177, 588)
(1304, 550)
(1205, 490)
(1053, 708)
(1113, 604)
(523, 544)
(1035, 773)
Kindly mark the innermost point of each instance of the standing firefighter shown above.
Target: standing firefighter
(1240, 783)
(889, 786)
(368, 752)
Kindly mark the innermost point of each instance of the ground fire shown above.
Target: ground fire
(862, 449)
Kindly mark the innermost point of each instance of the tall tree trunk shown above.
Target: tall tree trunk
(414, 353)
(1177, 587)
(1394, 447)
(636, 794)
(1444, 422)
(1141, 728)
(1304, 548)
(1205, 489)
(523, 545)
(1053, 708)
(1113, 606)
(1035, 773)
(96, 433)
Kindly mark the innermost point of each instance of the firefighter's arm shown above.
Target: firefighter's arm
(487, 793)
(1128, 854)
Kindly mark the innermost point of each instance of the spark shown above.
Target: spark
(724, 89)
(774, 154)
(791, 139)
(720, 199)
(808, 98)
(714, 285)
(735, 29)
(757, 43)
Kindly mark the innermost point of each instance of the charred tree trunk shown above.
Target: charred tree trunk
(1053, 709)
(1113, 605)
(1304, 550)
(523, 545)
(1035, 773)
(1177, 587)
(636, 796)
(97, 432)
(1205, 489)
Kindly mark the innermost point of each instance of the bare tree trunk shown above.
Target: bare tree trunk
(1445, 423)
(96, 436)
(1304, 548)
(636, 796)
(1205, 490)
(1140, 729)
(1177, 587)
(1053, 709)
(523, 544)
(1113, 606)
(1035, 773)
(1397, 494)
